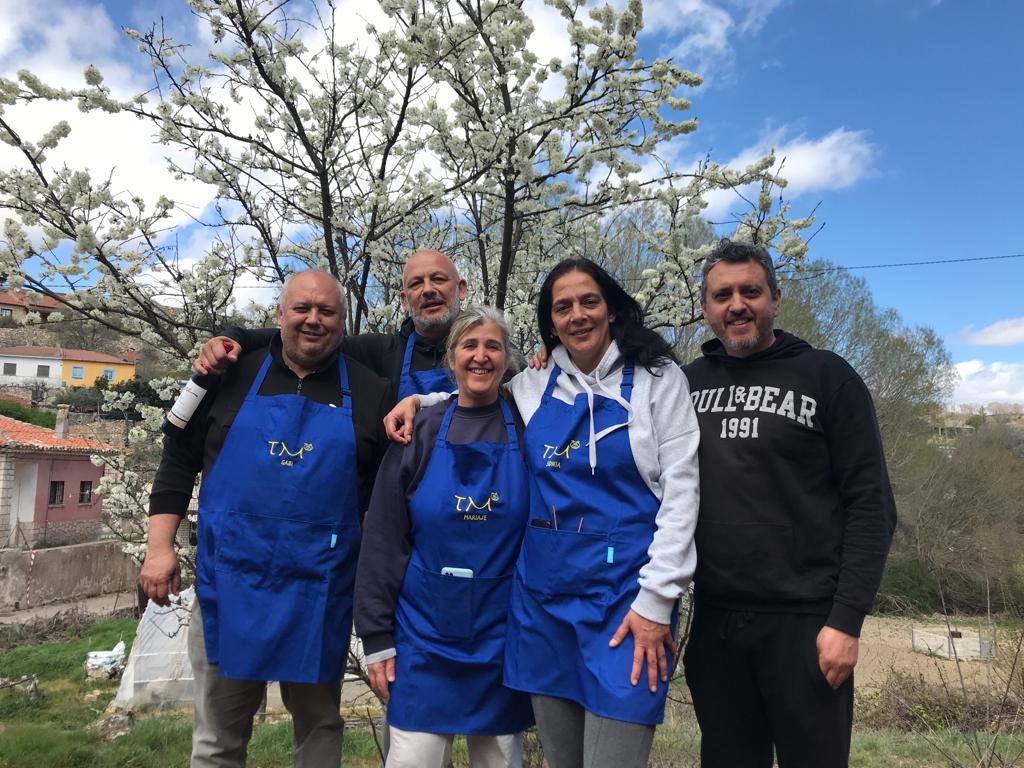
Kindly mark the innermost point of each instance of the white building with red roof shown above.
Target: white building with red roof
(48, 485)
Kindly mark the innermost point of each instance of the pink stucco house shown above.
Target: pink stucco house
(48, 485)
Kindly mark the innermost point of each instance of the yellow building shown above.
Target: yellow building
(81, 368)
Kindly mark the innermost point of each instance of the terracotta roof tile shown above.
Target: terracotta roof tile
(92, 357)
(20, 434)
(21, 299)
(53, 352)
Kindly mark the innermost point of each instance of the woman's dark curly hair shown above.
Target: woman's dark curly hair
(636, 341)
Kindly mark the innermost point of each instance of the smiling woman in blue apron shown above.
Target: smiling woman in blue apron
(611, 444)
(440, 542)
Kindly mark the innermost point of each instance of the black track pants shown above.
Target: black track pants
(756, 684)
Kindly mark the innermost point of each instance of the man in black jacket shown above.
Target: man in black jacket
(412, 358)
(288, 442)
(795, 522)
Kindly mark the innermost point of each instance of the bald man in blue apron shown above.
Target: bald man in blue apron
(288, 443)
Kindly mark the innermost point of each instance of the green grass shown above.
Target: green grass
(941, 749)
(66, 659)
(162, 741)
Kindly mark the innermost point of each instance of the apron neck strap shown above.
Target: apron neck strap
(442, 432)
(254, 388)
(506, 412)
(407, 359)
(552, 379)
(626, 390)
(510, 423)
(346, 391)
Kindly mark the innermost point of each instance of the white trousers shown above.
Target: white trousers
(415, 749)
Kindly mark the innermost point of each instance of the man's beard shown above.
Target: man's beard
(444, 322)
(739, 345)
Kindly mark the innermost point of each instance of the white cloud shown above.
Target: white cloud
(48, 41)
(756, 14)
(550, 39)
(837, 160)
(700, 32)
(1003, 333)
(982, 382)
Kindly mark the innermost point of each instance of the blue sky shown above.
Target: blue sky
(928, 98)
(902, 118)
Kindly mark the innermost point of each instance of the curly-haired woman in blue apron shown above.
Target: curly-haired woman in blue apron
(440, 543)
(611, 445)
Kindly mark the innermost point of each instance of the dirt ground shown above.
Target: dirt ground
(886, 643)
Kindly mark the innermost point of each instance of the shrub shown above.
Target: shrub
(81, 398)
(907, 587)
(31, 415)
(908, 702)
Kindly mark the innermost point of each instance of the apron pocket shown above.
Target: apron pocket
(438, 606)
(490, 606)
(453, 607)
(271, 550)
(568, 563)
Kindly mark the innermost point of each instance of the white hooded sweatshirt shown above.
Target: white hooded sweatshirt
(663, 436)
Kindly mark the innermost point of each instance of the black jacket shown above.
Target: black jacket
(197, 448)
(382, 353)
(796, 510)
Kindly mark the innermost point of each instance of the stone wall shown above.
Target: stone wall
(55, 533)
(113, 432)
(36, 577)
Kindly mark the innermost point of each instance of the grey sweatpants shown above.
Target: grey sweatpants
(224, 711)
(575, 738)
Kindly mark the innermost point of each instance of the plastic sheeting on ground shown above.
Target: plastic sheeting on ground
(158, 673)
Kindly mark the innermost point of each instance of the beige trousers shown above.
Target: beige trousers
(224, 711)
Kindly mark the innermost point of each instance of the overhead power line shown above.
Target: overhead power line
(839, 268)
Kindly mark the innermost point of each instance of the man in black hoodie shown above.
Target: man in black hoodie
(795, 522)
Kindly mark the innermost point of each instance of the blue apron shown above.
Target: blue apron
(278, 539)
(421, 382)
(469, 512)
(575, 582)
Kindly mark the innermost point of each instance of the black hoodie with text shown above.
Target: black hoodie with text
(796, 510)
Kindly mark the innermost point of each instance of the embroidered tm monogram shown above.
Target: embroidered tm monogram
(288, 457)
(554, 455)
(471, 509)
